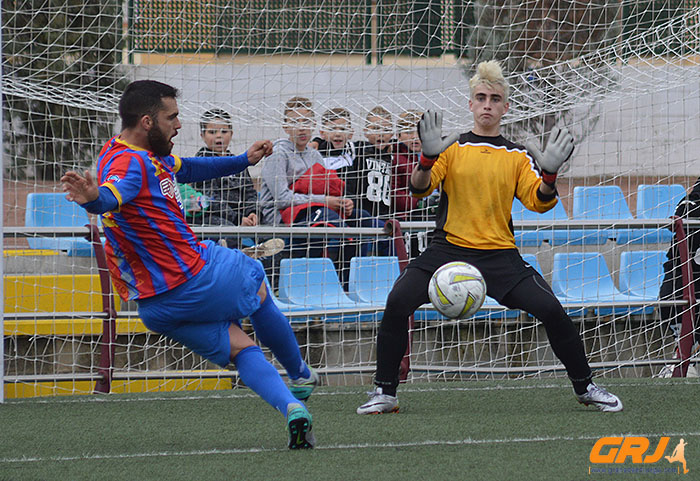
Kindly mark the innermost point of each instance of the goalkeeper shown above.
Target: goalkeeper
(480, 173)
(193, 292)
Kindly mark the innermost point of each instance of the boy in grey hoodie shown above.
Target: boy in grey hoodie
(296, 188)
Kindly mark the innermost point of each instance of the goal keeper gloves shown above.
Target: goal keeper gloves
(558, 150)
(430, 133)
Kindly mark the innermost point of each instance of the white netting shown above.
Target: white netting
(622, 75)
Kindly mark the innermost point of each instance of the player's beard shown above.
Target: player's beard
(160, 145)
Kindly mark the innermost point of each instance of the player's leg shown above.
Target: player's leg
(274, 331)
(225, 342)
(533, 295)
(200, 314)
(409, 292)
(260, 376)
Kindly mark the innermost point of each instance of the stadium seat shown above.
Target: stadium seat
(654, 202)
(293, 311)
(584, 278)
(312, 282)
(530, 238)
(371, 278)
(54, 210)
(658, 201)
(532, 260)
(641, 273)
(597, 202)
(553, 236)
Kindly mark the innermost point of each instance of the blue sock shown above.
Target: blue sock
(260, 376)
(274, 331)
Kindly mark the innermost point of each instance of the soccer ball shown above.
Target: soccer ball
(457, 290)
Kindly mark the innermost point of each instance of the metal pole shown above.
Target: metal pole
(2, 243)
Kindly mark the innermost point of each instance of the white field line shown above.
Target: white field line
(245, 393)
(334, 447)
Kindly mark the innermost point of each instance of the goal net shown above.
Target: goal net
(620, 74)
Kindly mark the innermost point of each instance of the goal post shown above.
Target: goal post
(620, 74)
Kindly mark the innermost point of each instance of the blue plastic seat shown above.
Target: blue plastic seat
(529, 238)
(371, 278)
(312, 282)
(593, 203)
(54, 210)
(532, 260)
(288, 309)
(553, 236)
(654, 202)
(584, 277)
(641, 273)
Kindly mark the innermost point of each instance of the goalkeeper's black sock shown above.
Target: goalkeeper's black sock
(387, 388)
(581, 385)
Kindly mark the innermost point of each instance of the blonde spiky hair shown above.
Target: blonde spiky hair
(491, 74)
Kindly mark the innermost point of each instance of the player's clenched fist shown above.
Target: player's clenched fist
(259, 149)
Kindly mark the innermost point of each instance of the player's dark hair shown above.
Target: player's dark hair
(211, 116)
(143, 97)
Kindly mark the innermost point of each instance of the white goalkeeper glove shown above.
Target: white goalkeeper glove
(559, 148)
(430, 133)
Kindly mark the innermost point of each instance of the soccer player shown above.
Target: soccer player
(193, 292)
(481, 172)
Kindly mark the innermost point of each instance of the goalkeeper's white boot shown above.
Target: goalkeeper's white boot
(303, 387)
(299, 427)
(379, 403)
(600, 398)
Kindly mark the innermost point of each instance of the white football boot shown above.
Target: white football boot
(600, 398)
(379, 403)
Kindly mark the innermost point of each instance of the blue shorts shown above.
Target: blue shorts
(199, 312)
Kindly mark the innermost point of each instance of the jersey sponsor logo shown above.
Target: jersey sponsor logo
(113, 178)
(168, 188)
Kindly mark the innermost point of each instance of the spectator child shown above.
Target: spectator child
(233, 199)
(296, 187)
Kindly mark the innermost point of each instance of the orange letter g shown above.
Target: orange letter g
(597, 457)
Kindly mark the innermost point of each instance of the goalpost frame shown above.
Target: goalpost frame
(687, 336)
(2, 242)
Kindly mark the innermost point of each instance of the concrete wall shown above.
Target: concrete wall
(649, 126)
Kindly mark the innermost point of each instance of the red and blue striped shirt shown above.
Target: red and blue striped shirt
(151, 248)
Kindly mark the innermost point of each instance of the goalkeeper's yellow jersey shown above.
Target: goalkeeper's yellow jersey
(479, 177)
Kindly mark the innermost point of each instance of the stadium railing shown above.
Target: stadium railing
(112, 325)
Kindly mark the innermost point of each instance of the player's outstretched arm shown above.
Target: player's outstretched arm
(558, 150)
(79, 189)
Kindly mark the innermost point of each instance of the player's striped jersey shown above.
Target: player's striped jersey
(150, 247)
(479, 177)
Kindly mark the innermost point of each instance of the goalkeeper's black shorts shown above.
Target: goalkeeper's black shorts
(502, 269)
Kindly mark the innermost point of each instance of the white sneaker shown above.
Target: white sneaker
(265, 249)
(379, 403)
(600, 398)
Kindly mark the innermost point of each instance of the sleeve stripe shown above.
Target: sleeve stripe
(178, 164)
(114, 191)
